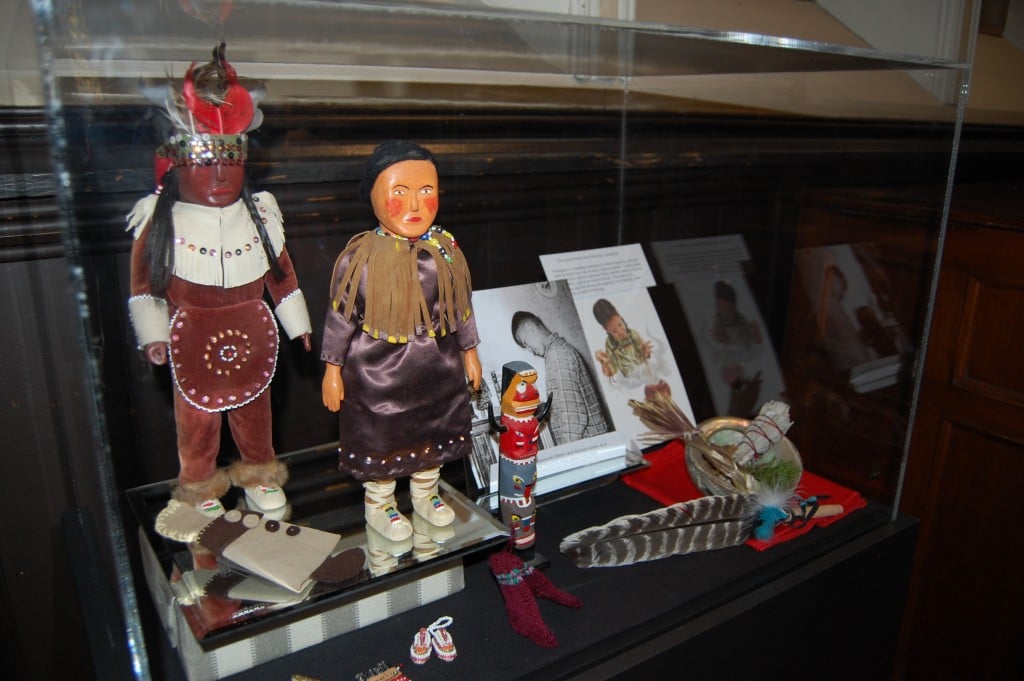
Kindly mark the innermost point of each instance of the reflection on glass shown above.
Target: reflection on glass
(854, 319)
(218, 597)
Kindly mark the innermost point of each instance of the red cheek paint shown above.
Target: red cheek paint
(431, 203)
(394, 207)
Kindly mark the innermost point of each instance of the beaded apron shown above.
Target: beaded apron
(224, 357)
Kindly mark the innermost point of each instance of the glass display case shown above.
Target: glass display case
(742, 162)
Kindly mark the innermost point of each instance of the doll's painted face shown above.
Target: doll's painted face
(215, 185)
(616, 328)
(404, 198)
(521, 397)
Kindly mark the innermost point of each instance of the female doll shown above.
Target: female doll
(206, 249)
(399, 342)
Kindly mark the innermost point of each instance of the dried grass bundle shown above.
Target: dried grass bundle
(665, 420)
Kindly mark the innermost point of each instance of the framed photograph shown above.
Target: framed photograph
(538, 324)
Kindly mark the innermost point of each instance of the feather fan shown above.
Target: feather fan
(698, 525)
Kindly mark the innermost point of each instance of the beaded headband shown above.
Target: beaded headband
(204, 149)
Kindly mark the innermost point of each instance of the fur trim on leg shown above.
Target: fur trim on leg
(194, 493)
(269, 474)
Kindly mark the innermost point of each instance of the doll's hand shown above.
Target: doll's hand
(332, 389)
(606, 366)
(474, 372)
(156, 353)
(307, 344)
(648, 349)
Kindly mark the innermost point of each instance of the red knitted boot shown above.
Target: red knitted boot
(521, 606)
(541, 586)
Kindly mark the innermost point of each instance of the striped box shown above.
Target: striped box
(432, 584)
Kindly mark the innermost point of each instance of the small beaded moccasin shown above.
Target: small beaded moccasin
(421, 646)
(444, 646)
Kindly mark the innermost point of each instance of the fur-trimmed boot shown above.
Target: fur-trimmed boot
(381, 510)
(204, 495)
(426, 500)
(262, 482)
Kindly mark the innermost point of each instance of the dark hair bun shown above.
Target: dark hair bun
(386, 155)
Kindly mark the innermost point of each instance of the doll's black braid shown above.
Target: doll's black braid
(159, 242)
(261, 228)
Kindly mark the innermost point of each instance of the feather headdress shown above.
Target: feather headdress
(209, 117)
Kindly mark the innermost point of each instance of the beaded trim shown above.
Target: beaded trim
(514, 576)
(213, 252)
(205, 149)
(429, 236)
(150, 319)
(226, 347)
(393, 516)
(397, 459)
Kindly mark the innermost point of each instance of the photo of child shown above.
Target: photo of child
(632, 354)
(624, 349)
(729, 327)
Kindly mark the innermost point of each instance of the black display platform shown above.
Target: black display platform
(827, 604)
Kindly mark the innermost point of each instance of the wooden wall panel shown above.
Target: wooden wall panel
(966, 462)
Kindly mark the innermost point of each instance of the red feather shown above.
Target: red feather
(233, 116)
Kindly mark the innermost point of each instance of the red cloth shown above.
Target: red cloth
(667, 480)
